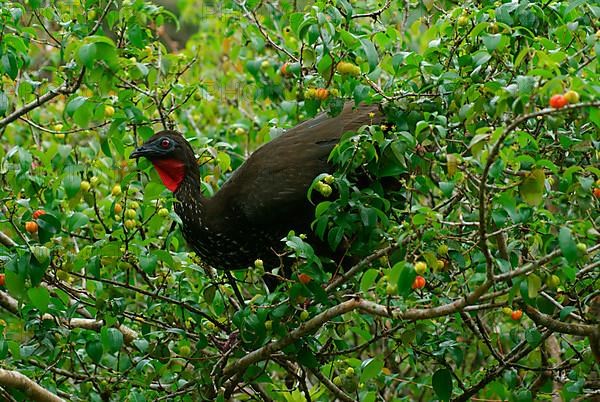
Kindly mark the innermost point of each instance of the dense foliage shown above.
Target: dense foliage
(479, 185)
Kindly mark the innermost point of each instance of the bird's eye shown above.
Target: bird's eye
(165, 143)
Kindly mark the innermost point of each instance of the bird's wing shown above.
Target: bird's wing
(272, 184)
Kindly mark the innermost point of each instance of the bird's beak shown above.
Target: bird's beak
(139, 152)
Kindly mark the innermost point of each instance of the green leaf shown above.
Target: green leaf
(371, 368)
(564, 313)
(87, 54)
(595, 115)
(533, 337)
(94, 350)
(3, 348)
(74, 104)
(367, 279)
(40, 298)
(534, 283)
(3, 103)
(370, 53)
(112, 339)
(567, 244)
(136, 36)
(9, 65)
(532, 187)
(77, 220)
(491, 41)
(406, 278)
(71, 182)
(152, 191)
(442, 384)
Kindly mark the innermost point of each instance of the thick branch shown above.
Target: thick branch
(12, 305)
(356, 303)
(7, 241)
(14, 379)
(558, 326)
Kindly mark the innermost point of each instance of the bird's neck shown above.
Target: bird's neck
(190, 205)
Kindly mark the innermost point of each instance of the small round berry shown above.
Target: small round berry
(31, 227)
(304, 278)
(571, 96)
(420, 267)
(419, 282)
(85, 186)
(558, 101)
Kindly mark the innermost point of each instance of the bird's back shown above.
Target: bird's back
(267, 196)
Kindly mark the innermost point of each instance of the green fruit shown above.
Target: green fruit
(130, 213)
(463, 20)
(304, 315)
(258, 263)
(346, 68)
(420, 267)
(324, 189)
(85, 186)
(582, 248)
(572, 96)
(134, 205)
(507, 310)
(337, 380)
(268, 325)
(163, 212)
(349, 371)
(442, 249)
(185, 350)
(391, 289)
(552, 281)
(130, 224)
(116, 190)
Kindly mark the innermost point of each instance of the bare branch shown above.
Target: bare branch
(14, 379)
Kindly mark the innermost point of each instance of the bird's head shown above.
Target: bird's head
(171, 155)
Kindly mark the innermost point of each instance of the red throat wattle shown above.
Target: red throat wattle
(171, 172)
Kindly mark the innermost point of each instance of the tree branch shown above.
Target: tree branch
(14, 379)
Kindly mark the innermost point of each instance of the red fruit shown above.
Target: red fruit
(284, 70)
(419, 282)
(304, 278)
(38, 213)
(31, 227)
(558, 101)
(596, 192)
(516, 315)
(2, 279)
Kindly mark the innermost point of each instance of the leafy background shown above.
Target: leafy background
(496, 192)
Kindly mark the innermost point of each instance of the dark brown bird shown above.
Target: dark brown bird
(264, 198)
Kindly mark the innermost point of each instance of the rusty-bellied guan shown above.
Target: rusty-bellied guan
(264, 198)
